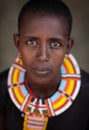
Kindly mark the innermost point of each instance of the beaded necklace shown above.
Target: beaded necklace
(37, 111)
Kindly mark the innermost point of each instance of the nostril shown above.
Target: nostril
(42, 57)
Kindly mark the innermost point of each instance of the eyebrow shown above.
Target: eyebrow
(36, 37)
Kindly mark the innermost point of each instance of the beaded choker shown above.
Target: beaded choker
(37, 110)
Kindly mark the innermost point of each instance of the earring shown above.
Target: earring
(20, 57)
(65, 57)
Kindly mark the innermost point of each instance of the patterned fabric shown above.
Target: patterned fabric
(35, 123)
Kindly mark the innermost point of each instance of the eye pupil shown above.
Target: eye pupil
(33, 42)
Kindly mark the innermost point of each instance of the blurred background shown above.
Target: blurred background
(9, 10)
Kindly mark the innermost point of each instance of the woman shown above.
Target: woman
(44, 89)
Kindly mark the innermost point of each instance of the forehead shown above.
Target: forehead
(48, 22)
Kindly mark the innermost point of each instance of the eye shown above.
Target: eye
(31, 42)
(55, 44)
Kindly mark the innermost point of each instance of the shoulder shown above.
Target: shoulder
(3, 83)
(84, 79)
(82, 99)
(84, 89)
(3, 76)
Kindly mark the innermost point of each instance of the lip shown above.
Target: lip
(41, 71)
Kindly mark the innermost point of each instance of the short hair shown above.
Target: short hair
(46, 7)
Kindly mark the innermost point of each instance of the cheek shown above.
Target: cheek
(27, 58)
(58, 63)
(58, 60)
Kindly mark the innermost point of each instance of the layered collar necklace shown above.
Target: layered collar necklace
(37, 111)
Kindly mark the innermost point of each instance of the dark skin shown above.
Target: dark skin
(43, 43)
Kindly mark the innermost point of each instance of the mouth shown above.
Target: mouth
(42, 71)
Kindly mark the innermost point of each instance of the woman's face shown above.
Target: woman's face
(43, 43)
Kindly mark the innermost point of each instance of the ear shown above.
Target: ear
(16, 41)
(70, 45)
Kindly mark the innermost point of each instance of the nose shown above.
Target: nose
(42, 53)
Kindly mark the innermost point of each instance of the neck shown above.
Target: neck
(43, 90)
